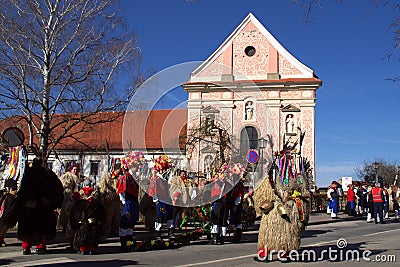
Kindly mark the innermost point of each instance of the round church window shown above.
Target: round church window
(250, 51)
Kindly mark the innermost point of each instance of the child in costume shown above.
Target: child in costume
(86, 220)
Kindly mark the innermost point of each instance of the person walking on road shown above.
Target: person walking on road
(377, 198)
(395, 201)
(128, 191)
(335, 200)
(385, 202)
(108, 196)
(40, 194)
(70, 181)
(329, 199)
(351, 200)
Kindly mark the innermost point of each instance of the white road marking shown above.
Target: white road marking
(378, 233)
(42, 262)
(215, 261)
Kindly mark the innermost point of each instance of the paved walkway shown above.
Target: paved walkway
(142, 234)
(324, 218)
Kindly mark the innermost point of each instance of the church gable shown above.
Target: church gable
(250, 52)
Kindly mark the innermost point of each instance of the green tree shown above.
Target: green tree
(71, 57)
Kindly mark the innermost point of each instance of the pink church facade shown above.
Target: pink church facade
(256, 90)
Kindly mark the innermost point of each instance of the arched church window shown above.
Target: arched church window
(248, 139)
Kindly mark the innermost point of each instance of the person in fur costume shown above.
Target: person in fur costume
(86, 220)
(40, 194)
(285, 212)
(69, 181)
(7, 208)
(108, 196)
(180, 193)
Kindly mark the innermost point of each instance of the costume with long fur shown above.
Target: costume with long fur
(282, 231)
(86, 219)
(41, 192)
(70, 185)
(180, 190)
(107, 195)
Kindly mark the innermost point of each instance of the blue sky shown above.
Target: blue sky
(357, 107)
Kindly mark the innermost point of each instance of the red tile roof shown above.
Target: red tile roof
(155, 129)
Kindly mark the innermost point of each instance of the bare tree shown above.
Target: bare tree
(70, 57)
(394, 27)
(211, 136)
(386, 171)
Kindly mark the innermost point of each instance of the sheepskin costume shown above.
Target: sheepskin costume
(70, 185)
(107, 195)
(282, 226)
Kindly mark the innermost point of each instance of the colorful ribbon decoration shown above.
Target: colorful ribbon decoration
(15, 163)
(290, 164)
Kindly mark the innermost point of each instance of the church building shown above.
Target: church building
(258, 93)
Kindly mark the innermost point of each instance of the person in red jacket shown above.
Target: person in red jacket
(128, 191)
(377, 199)
(351, 200)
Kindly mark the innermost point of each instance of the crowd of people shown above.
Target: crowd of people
(363, 199)
(87, 212)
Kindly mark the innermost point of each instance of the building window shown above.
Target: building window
(94, 168)
(250, 51)
(248, 139)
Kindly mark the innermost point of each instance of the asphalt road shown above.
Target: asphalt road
(373, 244)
